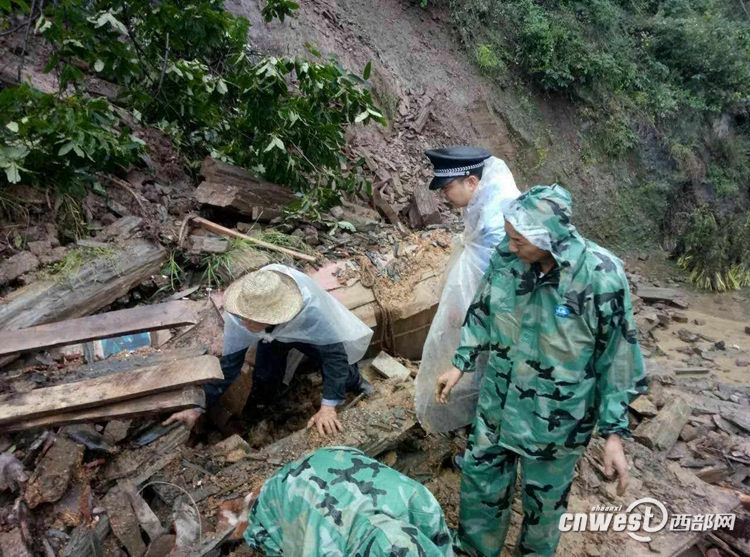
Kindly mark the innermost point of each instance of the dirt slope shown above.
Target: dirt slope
(416, 52)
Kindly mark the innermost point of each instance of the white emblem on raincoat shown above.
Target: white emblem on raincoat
(484, 229)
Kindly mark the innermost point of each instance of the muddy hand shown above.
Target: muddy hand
(326, 420)
(445, 384)
(615, 461)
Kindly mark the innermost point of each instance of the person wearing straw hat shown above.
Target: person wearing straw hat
(279, 309)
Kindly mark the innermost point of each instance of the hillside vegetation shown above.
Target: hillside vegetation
(678, 70)
(185, 67)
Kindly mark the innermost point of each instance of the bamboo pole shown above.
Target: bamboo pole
(218, 229)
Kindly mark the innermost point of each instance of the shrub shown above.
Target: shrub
(185, 66)
(717, 255)
(48, 141)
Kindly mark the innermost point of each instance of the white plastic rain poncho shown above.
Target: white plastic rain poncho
(484, 222)
(321, 321)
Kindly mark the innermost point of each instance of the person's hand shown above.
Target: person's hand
(327, 421)
(187, 417)
(615, 461)
(445, 384)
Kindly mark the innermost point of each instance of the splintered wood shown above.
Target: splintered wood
(107, 390)
(114, 323)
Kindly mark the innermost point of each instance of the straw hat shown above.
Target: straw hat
(265, 297)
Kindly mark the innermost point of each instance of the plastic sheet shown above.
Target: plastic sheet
(321, 321)
(471, 255)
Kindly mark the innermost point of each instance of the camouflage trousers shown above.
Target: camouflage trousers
(487, 490)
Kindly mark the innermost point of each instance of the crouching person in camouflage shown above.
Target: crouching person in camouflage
(339, 502)
(553, 310)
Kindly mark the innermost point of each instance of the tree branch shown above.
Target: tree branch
(26, 37)
(163, 67)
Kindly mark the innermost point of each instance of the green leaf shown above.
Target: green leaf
(346, 225)
(65, 149)
(363, 116)
(5, 5)
(12, 126)
(98, 188)
(12, 173)
(42, 24)
(221, 87)
(275, 142)
(312, 50)
(368, 69)
(98, 66)
(108, 17)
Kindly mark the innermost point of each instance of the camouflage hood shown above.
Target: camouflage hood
(542, 215)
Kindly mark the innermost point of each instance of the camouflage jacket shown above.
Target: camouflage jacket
(563, 349)
(339, 502)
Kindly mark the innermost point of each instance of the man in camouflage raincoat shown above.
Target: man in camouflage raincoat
(339, 502)
(554, 311)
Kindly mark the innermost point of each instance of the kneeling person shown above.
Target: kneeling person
(339, 501)
(280, 309)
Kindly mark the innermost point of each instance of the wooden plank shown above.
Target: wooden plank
(94, 286)
(149, 521)
(662, 432)
(170, 401)
(123, 521)
(140, 319)
(107, 390)
(132, 362)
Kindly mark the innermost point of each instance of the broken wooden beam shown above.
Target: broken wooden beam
(218, 229)
(94, 286)
(123, 521)
(108, 390)
(140, 319)
(239, 190)
(148, 520)
(423, 210)
(132, 362)
(662, 432)
(170, 401)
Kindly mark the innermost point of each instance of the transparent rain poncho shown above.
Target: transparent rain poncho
(322, 320)
(484, 229)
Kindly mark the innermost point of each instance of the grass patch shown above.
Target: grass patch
(68, 269)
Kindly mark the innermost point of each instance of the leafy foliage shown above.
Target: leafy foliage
(185, 67)
(717, 257)
(46, 140)
(670, 66)
(278, 9)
